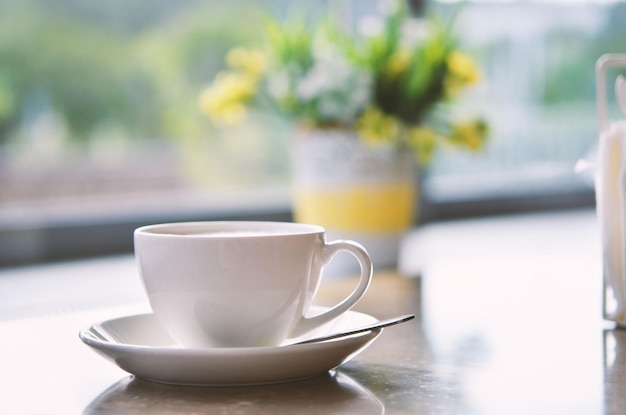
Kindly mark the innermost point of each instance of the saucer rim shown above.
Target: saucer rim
(86, 336)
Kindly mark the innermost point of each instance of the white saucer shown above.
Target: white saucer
(139, 345)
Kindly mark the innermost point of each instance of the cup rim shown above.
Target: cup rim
(265, 229)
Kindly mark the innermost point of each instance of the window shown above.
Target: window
(99, 130)
(538, 60)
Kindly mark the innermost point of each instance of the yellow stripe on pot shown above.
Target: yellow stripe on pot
(372, 208)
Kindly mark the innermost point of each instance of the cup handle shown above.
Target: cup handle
(329, 250)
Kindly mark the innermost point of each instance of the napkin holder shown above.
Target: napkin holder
(611, 208)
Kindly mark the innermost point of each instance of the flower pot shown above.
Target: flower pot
(356, 191)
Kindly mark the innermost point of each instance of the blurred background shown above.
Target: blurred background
(100, 130)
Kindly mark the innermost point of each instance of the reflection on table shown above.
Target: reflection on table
(333, 393)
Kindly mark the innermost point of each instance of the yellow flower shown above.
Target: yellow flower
(470, 134)
(463, 67)
(224, 101)
(424, 141)
(398, 63)
(250, 61)
(7, 98)
(462, 71)
(376, 127)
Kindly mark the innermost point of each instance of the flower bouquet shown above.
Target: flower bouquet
(391, 82)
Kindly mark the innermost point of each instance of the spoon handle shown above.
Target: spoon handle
(369, 327)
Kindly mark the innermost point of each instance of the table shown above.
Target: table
(508, 321)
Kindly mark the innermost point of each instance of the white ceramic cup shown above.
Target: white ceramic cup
(239, 284)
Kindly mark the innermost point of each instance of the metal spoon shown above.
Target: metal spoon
(102, 335)
(369, 327)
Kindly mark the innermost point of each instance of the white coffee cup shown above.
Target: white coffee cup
(239, 284)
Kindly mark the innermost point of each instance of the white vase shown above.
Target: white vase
(356, 191)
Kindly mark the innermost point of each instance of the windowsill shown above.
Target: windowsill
(141, 207)
(474, 196)
(104, 226)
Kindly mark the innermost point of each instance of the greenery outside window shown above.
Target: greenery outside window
(100, 130)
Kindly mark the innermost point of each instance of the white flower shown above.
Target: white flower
(337, 89)
(328, 73)
(371, 26)
(413, 32)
